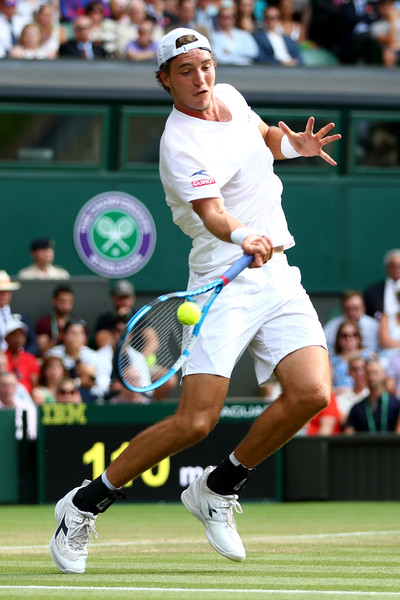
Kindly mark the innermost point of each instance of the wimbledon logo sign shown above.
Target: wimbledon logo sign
(114, 234)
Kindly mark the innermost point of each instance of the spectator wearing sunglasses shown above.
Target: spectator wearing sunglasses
(67, 392)
(348, 345)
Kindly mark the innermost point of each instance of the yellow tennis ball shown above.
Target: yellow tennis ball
(188, 313)
(151, 360)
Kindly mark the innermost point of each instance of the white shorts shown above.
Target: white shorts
(265, 310)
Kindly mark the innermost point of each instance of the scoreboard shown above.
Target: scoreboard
(78, 442)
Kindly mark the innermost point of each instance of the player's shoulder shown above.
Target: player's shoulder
(226, 90)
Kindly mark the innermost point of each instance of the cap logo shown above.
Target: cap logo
(114, 234)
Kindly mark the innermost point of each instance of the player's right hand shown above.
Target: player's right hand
(260, 246)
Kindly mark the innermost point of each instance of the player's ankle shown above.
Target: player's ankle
(228, 478)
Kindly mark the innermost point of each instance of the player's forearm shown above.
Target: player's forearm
(216, 219)
(273, 140)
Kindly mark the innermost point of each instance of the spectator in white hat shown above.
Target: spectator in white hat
(7, 287)
(24, 364)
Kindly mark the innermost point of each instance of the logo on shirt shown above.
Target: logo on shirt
(114, 234)
(205, 180)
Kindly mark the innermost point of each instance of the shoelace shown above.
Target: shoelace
(79, 535)
(228, 505)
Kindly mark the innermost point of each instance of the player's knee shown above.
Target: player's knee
(316, 395)
(198, 427)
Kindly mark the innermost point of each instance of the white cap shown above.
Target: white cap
(167, 47)
(14, 325)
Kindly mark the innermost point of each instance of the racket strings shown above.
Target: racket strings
(162, 319)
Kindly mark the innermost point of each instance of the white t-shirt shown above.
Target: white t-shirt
(228, 160)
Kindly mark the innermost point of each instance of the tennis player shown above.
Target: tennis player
(216, 166)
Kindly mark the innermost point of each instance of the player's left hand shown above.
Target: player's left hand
(308, 143)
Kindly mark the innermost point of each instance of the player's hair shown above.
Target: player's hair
(164, 68)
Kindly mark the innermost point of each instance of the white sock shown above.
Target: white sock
(235, 461)
(104, 479)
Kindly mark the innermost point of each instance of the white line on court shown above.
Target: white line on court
(250, 538)
(242, 591)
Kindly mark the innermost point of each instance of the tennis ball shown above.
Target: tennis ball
(151, 360)
(188, 313)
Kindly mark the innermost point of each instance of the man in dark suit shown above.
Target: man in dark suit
(274, 47)
(381, 296)
(81, 46)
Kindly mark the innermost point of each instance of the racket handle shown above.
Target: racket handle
(237, 267)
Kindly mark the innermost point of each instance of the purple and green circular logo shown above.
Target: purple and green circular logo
(114, 234)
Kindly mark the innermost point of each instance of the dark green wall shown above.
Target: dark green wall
(342, 225)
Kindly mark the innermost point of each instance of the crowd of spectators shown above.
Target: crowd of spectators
(57, 359)
(242, 32)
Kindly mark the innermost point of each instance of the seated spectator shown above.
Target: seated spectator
(128, 32)
(288, 25)
(123, 298)
(273, 46)
(245, 18)
(108, 378)
(205, 17)
(11, 25)
(389, 331)
(348, 344)
(53, 34)
(379, 411)
(169, 13)
(357, 45)
(67, 392)
(327, 422)
(73, 349)
(231, 45)
(386, 30)
(88, 388)
(144, 48)
(81, 47)
(29, 44)
(127, 396)
(381, 296)
(51, 373)
(42, 253)
(72, 9)
(393, 374)
(22, 392)
(104, 31)
(353, 309)
(6, 314)
(347, 398)
(9, 399)
(24, 364)
(49, 328)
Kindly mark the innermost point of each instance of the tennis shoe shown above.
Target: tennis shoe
(68, 546)
(216, 514)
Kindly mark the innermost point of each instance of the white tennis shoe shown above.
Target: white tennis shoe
(68, 546)
(216, 514)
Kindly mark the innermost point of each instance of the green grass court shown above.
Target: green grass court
(159, 552)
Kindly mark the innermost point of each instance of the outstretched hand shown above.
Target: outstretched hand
(308, 143)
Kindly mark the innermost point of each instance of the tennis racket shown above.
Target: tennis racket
(176, 341)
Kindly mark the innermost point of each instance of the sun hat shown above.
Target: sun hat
(167, 47)
(6, 285)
